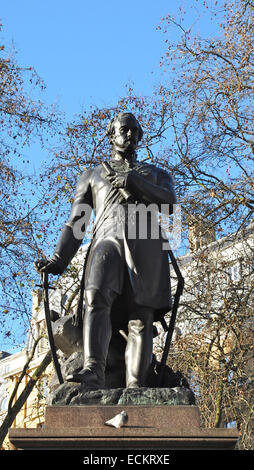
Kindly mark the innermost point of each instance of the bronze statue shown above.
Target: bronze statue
(117, 262)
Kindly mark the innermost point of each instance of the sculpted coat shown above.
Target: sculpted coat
(113, 254)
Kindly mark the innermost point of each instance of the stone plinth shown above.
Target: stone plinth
(148, 427)
(148, 417)
(73, 394)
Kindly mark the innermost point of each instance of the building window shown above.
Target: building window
(234, 272)
(199, 288)
(230, 425)
(4, 404)
(7, 369)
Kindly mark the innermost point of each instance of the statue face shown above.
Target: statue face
(126, 135)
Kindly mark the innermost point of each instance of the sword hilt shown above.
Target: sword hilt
(44, 282)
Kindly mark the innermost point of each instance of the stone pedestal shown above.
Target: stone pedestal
(149, 427)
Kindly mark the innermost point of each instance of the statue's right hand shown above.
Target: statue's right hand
(40, 264)
(53, 266)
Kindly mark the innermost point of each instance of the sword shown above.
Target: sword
(179, 291)
(45, 286)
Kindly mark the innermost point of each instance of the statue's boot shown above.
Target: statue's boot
(97, 332)
(138, 353)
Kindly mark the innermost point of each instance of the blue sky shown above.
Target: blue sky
(86, 52)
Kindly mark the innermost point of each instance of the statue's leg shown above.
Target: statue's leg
(97, 334)
(138, 353)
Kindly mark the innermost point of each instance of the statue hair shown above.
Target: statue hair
(111, 126)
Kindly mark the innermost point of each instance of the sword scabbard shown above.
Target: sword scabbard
(45, 287)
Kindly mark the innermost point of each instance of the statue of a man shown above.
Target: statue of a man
(116, 261)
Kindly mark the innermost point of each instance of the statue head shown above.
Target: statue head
(124, 132)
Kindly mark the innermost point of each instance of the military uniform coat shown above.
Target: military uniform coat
(117, 248)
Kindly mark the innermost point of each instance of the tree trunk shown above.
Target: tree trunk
(218, 415)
